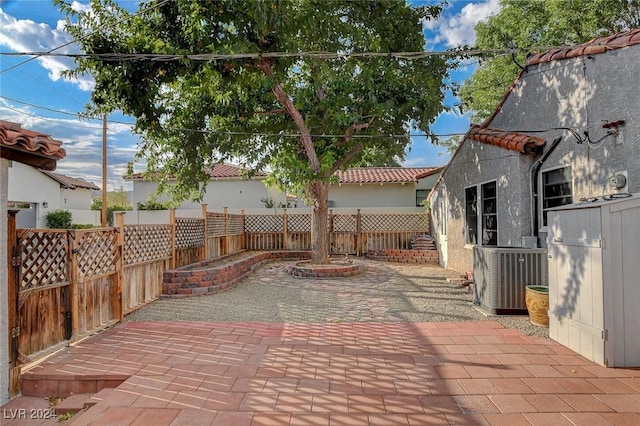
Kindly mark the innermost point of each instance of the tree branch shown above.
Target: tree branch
(265, 66)
(342, 161)
(356, 148)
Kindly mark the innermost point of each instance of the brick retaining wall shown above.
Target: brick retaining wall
(405, 256)
(213, 277)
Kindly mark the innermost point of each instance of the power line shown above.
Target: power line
(156, 57)
(226, 133)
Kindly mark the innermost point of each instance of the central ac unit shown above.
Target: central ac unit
(501, 275)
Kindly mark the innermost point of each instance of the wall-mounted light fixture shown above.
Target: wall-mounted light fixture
(45, 204)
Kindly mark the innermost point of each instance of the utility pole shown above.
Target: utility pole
(104, 171)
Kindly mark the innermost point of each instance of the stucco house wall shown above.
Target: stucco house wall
(555, 100)
(379, 194)
(31, 185)
(28, 184)
(236, 194)
(4, 297)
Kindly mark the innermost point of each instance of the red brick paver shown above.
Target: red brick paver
(471, 373)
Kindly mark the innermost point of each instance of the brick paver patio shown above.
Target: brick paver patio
(468, 373)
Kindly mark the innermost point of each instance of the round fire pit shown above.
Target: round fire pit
(335, 269)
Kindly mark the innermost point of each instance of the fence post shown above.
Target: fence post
(226, 230)
(204, 255)
(285, 229)
(331, 239)
(75, 296)
(13, 280)
(172, 223)
(119, 299)
(358, 233)
(244, 231)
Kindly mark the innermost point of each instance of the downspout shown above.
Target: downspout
(534, 171)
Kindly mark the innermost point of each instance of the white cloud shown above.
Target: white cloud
(458, 29)
(24, 35)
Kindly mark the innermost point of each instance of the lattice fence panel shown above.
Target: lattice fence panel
(235, 224)
(299, 223)
(144, 243)
(215, 224)
(344, 223)
(44, 258)
(98, 252)
(189, 233)
(394, 222)
(263, 223)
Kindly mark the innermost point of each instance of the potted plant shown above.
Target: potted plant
(537, 300)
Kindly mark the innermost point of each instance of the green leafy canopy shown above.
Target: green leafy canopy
(303, 117)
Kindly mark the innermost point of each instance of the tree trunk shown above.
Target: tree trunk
(319, 192)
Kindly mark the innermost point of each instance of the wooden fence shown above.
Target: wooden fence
(70, 283)
(348, 233)
(66, 284)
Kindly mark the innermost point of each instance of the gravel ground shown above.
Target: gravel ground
(385, 292)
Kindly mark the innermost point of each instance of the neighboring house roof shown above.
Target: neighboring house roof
(71, 183)
(29, 147)
(591, 47)
(385, 174)
(219, 171)
(513, 141)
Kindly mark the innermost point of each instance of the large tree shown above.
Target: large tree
(527, 26)
(306, 87)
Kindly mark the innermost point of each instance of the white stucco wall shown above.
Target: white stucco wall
(27, 184)
(236, 194)
(583, 94)
(78, 198)
(4, 285)
(377, 195)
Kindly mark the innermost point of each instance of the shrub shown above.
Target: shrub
(59, 219)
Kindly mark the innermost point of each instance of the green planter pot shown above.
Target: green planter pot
(537, 300)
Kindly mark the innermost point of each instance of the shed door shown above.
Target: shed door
(623, 287)
(576, 306)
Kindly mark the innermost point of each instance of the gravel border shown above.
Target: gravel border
(385, 292)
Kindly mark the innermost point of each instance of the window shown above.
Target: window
(471, 215)
(489, 214)
(556, 190)
(421, 195)
(481, 214)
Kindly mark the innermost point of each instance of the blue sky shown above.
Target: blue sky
(35, 95)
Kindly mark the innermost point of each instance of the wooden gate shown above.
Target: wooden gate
(64, 284)
(43, 286)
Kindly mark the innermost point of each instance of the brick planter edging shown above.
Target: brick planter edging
(207, 277)
(320, 272)
(405, 256)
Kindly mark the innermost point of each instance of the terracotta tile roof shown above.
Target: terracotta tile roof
(524, 144)
(219, 171)
(385, 174)
(29, 147)
(228, 171)
(592, 47)
(68, 182)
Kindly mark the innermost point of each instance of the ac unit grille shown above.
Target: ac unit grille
(501, 275)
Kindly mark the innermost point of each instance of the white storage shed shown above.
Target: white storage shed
(594, 279)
